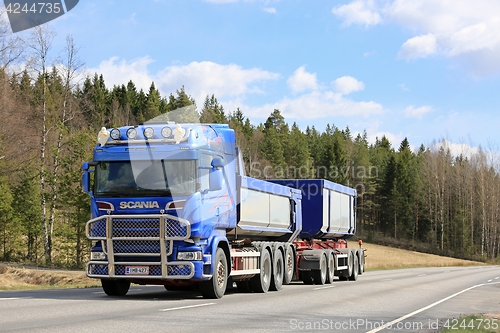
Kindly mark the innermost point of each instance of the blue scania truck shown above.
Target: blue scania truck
(171, 205)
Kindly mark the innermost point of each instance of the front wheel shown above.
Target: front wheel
(216, 286)
(115, 287)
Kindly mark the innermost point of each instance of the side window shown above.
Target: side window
(204, 171)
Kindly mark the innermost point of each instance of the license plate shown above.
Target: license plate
(136, 270)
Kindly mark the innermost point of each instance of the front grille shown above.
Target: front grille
(132, 228)
(137, 246)
(98, 269)
(176, 229)
(97, 229)
(178, 270)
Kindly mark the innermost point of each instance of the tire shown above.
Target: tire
(307, 277)
(115, 287)
(216, 286)
(331, 268)
(261, 283)
(278, 271)
(289, 265)
(355, 270)
(361, 264)
(320, 274)
(350, 264)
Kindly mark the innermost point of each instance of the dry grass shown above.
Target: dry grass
(383, 257)
(13, 278)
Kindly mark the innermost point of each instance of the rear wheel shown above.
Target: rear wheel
(115, 287)
(278, 268)
(331, 268)
(355, 270)
(320, 274)
(289, 265)
(216, 286)
(260, 283)
(361, 264)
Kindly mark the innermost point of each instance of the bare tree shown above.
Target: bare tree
(70, 72)
(40, 44)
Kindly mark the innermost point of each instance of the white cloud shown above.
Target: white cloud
(457, 149)
(470, 29)
(358, 12)
(413, 112)
(302, 80)
(418, 47)
(318, 105)
(271, 10)
(117, 72)
(199, 78)
(347, 84)
(394, 139)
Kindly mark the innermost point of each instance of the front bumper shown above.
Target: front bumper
(137, 238)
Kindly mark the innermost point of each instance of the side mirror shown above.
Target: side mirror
(216, 179)
(217, 163)
(85, 182)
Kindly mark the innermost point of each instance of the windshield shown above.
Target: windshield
(145, 178)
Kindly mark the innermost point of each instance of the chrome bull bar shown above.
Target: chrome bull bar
(145, 235)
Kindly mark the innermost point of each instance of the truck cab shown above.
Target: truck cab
(161, 201)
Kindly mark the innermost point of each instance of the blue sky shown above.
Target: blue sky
(422, 69)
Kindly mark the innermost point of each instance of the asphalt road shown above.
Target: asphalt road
(412, 299)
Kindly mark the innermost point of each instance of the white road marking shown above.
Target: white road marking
(11, 298)
(324, 287)
(187, 307)
(395, 321)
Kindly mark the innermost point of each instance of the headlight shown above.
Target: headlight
(149, 133)
(115, 134)
(166, 132)
(97, 256)
(132, 133)
(189, 256)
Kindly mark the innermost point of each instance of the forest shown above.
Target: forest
(426, 199)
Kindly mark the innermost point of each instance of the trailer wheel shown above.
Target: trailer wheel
(307, 277)
(260, 283)
(355, 270)
(331, 268)
(289, 265)
(278, 271)
(320, 274)
(361, 264)
(216, 286)
(115, 287)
